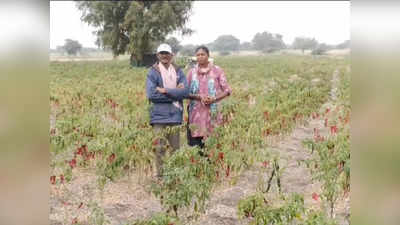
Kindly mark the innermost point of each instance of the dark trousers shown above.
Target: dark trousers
(195, 141)
(161, 148)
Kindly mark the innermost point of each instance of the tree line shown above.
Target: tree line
(265, 42)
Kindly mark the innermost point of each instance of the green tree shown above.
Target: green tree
(174, 43)
(245, 46)
(343, 45)
(72, 47)
(268, 42)
(304, 43)
(60, 49)
(226, 43)
(135, 26)
(108, 17)
(321, 49)
(211, 46)
(188, 50)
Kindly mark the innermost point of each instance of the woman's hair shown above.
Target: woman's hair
(204, 48)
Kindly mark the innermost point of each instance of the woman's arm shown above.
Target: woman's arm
(226, 89)
(222, 96)
(210, 100)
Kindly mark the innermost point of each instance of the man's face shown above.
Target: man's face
(164, 57)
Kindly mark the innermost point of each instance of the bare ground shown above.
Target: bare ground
(127, 199)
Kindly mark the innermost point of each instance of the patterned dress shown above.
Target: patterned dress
(205, 82)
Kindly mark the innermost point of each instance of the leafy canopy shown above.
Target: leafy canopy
(135, 26)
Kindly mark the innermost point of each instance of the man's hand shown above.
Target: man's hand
(161, 90)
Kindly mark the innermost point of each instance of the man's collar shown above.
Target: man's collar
(155, 66)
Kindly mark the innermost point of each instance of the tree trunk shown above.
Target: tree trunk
(135, 60)
(132, 60)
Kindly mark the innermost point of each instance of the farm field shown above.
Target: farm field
(96, 56)
(281, 157)
(108, 56)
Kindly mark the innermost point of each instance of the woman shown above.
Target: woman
(207, 86)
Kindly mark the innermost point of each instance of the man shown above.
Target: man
(166, 87)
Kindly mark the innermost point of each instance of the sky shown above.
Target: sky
(327, 21)
(21, 24)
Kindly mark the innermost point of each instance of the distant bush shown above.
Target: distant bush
(224, 53)
(270, 50)
(268, 42)
(226, 43)
(345, 44)
(320, 49)
(318, 52)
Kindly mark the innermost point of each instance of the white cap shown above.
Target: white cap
(164, 48)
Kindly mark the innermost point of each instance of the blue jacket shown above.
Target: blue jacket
(162, 111)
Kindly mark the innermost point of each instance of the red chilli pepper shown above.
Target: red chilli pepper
(315, 196)
(72, 163)
(228, 170)
(327, 110)
(111, 158)
(221, 156)
(334, 129)
(53, 179)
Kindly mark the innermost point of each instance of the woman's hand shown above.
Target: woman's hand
(180, 85)
(208, 100)
(161, 90)
(204, 100)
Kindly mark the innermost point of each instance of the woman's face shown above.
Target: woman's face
(202, 57)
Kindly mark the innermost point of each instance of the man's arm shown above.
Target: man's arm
(151, 90)
(194, 97)
(180, 92)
